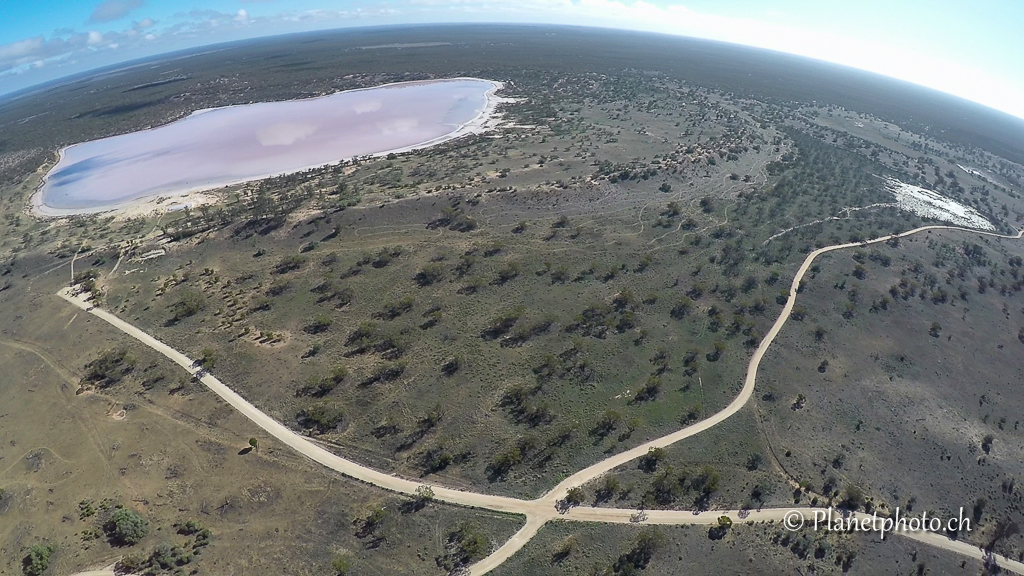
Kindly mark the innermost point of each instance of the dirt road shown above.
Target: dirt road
(540, 511)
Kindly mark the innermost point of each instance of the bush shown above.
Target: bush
(126, 528)
(649, 462)
(324, 416)
(190, 304)
(37, 560)
(289, 264)
(109, 368)
(639, 556)
(430, 274)
(319, 324)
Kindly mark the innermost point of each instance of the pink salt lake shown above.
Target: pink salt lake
(222, 146)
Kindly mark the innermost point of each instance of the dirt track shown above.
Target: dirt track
(538, 512)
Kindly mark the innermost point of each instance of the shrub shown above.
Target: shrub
(289, 264)
(575, 496)
(639, 556)
(649, 462)
(324, 416)
(126, 528)
(430, 274)
(109, 368)
(188, 305)
(37, 560)
(507, 272)
(319, 324)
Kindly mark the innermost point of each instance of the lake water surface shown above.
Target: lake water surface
(223, 146)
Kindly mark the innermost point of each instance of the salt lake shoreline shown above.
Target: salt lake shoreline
(479, 124)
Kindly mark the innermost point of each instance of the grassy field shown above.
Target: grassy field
(568, 548)
(917, 365)
(68, 460)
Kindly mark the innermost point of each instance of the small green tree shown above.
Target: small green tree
(649, 462)
(208, 359)
(575, 496)
(254, 444)
(126, 528)
(37, 560)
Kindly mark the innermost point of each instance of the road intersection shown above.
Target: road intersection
(547, 508)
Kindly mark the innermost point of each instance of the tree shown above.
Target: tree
(935, 329)
(639, 556)
(319, 324)
(608, 422)
(853, 497)
(609, 486)
(254, 444)
(707, 204)
(649, 462)
(37, 560)
(109, 368)
(507, 272)
(575, 496)
(715, 354)
(430, 274)
(126, 528)
(208, 359)
(650, 389)
(452, 365)
(565, 549)
(189, 304)
(682, 307)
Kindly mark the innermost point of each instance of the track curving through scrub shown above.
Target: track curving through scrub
(546, 508)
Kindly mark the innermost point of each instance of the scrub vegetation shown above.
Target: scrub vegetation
(501, 310)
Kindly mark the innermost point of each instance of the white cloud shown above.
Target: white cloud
(20, 49)
(110, 10)
(204, 25)
(933, 71)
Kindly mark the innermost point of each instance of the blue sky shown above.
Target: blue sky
(971, 49)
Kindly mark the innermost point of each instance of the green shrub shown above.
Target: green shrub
(37, 560)
(109, 368)
(126, 528)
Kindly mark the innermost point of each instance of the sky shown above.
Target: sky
(973, 49)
